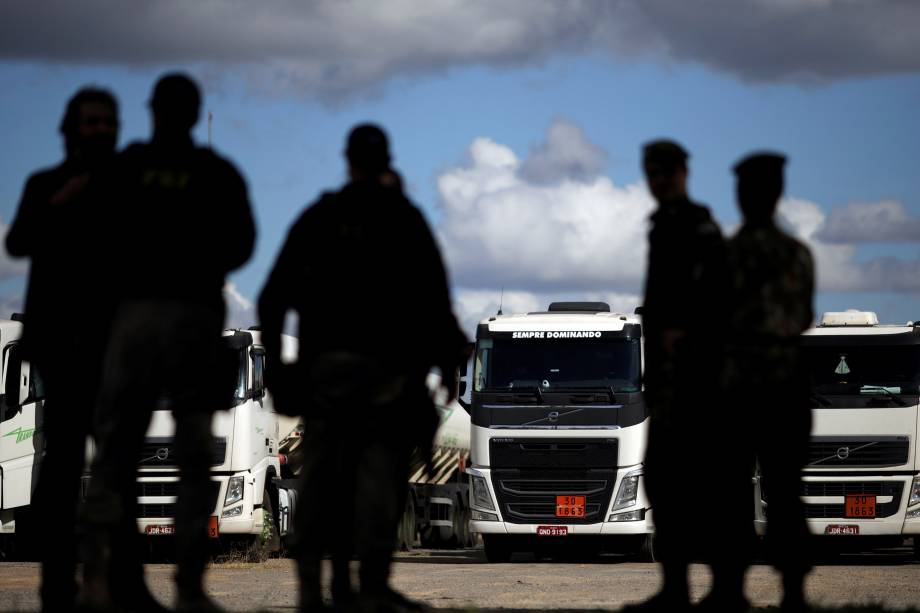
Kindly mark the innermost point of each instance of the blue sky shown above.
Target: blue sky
(851, 138)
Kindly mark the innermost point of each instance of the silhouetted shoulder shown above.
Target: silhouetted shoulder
(20, 239)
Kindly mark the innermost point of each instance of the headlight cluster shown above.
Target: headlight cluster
(629, 490)
(480, 493)
(914, 492)
(234, 491)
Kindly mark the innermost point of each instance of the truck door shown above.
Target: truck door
(21, 441)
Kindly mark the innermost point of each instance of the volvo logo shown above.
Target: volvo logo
(162, 454)
(843, 453)
(553, 416)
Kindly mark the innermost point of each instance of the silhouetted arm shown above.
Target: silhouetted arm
(21, 237)
(236, 214)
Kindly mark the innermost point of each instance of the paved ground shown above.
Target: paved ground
(463, 581)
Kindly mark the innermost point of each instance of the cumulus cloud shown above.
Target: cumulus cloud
(332, 48)
(502, 228)
(862, 222)
(566, 154)
(838, 268)
(569, 234)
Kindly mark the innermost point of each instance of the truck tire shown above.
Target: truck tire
(497, 548)
(646, 552)
(267, 543)
(407, 531)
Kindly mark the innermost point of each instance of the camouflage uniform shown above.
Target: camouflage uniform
(683, 294)
(772, 284)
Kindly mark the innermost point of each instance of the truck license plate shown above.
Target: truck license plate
(552, 530)
(570, 506)
(842, 529)
(858, 505)
(160, 530)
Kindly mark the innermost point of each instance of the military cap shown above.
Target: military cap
(761, 164)
(665, 152)
(368, 148)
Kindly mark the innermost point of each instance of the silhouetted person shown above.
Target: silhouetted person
(55, 227)
(183, 222)
(364, 275)
(684, 292)
(771, 305)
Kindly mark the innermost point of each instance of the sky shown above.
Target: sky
(517, 125)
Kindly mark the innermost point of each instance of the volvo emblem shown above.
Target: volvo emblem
(163, 453)
(843, 453)
(553, 416)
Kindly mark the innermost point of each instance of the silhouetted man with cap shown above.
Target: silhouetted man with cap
(356, 265)
(56, 227)
(184, 222)
(771, 305)
(684, 294)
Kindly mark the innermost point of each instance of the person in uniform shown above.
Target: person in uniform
(684, 294)
(54, 227)
(361, 270)
(772, 288)
(183, 221)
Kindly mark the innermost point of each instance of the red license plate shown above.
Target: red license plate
(842, 530)
(552, 530)
(858, 505)
(570, 506)
(160, 530)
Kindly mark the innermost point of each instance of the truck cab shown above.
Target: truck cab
(558, 433)
(860, 485)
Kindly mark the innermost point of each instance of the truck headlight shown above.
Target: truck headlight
(480, 490)
(483, 516)
(234, 512)
(629, 490)
(914, 492)
(234, 491)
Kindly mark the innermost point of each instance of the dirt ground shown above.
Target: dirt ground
(462, 581)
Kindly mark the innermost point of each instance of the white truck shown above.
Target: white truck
(861, 484)
(559, 429)
(244, 467)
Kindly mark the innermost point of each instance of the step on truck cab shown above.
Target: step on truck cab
(860, 484)
(558, 434)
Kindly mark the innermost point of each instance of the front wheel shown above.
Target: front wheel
(268, 542)
(646, 552)
(497, 548)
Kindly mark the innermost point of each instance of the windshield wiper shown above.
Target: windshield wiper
(526, 389)
(820, 399)
(872, 390)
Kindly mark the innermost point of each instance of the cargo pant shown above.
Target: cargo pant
(160, 352)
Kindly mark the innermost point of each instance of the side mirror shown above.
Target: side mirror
(17, 382)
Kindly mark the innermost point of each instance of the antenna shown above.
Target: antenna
(210, 121)
(501, 301)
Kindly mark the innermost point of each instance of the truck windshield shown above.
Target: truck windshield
(557, 364)
(864, 370)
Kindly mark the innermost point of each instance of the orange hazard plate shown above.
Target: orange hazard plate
(570, 506)
(213, 532)
(858, 505)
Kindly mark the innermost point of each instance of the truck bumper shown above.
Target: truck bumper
(600, 529)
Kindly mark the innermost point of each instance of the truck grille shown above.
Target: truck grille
(156, 510)
(528, 496)
(842, 488)
(878, 451)
(161, 453)
(166, 488)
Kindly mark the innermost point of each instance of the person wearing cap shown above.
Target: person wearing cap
(183, 222)
(684, 295)
(56, 228)
(772, 289)
(354, 265)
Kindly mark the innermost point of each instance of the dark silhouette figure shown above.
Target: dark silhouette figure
(183, 221)
(684, 294)
(772, 289)
(55, 227)
(363, 273)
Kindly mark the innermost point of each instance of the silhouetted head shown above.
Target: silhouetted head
(176, 104)
(665, 166)
(760, 184)
(368, 152)
(90, 124)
